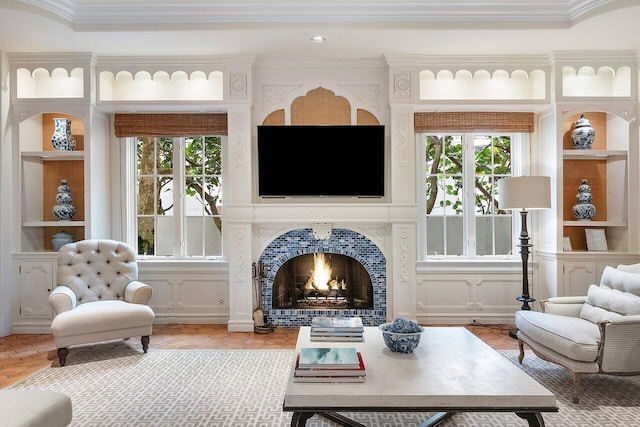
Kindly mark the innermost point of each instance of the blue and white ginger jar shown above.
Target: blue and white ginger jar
(62, 140)
(64, 210)
(583, 134)
(583, 210)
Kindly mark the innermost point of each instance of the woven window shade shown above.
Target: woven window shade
(473, 122)
(127, 125)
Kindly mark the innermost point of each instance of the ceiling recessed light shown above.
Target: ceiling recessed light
(318, 39)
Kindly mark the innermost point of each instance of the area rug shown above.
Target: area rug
(189, 388)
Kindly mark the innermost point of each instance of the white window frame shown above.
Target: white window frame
(520, 165)
(129, 213)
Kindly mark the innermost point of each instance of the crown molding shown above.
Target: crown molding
(85, 15)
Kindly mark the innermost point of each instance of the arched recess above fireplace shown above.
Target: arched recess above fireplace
(321, 106)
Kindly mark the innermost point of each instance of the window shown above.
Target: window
(462, 216)
(178, 199)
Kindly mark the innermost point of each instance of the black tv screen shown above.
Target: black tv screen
(321, 161)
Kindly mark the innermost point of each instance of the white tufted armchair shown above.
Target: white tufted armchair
(98, 297)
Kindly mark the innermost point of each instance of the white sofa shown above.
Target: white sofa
(98, 297)
(34, 408)
(596, 333)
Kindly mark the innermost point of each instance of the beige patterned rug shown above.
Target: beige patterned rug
(190, 388)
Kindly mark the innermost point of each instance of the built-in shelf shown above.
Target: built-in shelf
(592, 154)
(53, 224)
(54, 155)
(594, 223)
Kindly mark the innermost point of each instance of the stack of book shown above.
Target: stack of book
(329, 365)
(336, 329)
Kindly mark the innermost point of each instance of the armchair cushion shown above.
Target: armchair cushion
(101, 321)
(572, 337)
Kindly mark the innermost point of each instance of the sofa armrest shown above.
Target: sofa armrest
(620, 343)
(137, 292)
(564, 306)
(62, 299)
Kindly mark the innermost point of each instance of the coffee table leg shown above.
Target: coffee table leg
(533, 418)
(299, 419)
(340, 420)
(437, 419)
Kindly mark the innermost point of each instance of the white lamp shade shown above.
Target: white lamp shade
(524, 192)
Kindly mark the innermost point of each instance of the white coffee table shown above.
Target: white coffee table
(451, 371)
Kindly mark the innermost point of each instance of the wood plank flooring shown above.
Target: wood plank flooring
(22, 355)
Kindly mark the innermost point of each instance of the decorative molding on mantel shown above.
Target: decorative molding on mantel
(322, 230)
(86, 16)
(356, 213)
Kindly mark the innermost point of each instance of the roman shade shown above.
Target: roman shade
(472, 121)
(168, 125)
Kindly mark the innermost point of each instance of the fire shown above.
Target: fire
(321, 273)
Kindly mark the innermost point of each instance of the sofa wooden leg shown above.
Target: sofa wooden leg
(62, 356)
(521, 347)
(145, 343)
(576, 387)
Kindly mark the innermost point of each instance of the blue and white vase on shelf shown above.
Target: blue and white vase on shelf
(64, 210)
(60, 239)
(583, 210)
(583, 134)
(62, 140)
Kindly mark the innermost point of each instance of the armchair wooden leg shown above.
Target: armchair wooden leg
(521, 347)
(145, 343)
(62, 356)
(576, 387)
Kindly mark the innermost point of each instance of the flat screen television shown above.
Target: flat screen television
(321, 161)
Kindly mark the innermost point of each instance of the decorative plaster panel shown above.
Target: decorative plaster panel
(276, 94)
(238, 86)
(402, 84)
(368, 95)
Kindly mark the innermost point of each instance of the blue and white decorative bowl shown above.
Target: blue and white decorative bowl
(400, 342)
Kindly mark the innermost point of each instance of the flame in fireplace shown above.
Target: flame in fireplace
(321, 273)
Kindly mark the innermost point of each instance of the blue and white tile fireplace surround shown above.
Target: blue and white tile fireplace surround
(341, 241)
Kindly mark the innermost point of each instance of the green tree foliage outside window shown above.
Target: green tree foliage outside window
(202, 173)
(447, 171)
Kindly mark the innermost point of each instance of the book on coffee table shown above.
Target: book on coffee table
(320, 336)
(328, 357)
(331, 372)
(322, 374)
(340, 379)
(337, 324)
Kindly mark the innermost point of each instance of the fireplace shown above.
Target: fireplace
(358, 271)
(322, 280)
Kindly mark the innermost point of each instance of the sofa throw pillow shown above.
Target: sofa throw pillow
(621, 280)
(629, 268)
(604, 303)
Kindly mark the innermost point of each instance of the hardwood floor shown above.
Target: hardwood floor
(22, 355)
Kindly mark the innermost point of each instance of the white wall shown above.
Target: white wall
(6, 274)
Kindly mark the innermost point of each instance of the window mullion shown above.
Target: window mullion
(469, 175)
(178, 197)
